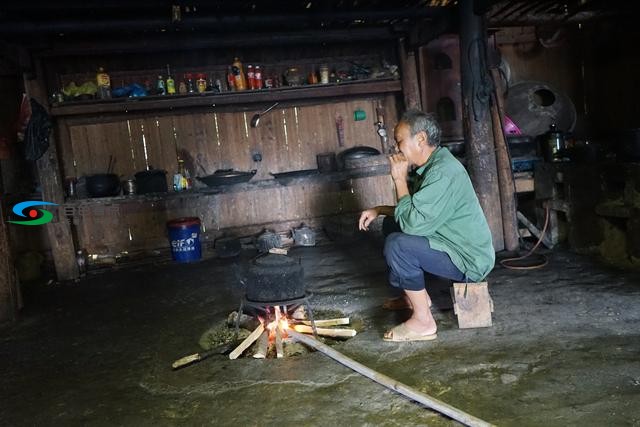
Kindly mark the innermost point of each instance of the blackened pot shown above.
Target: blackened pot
(151, 181)
(272, 278)
(103, 185)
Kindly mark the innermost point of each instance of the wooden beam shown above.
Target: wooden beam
(410, 85)
(212, 101)
(9, 290)
(477, 120)
(505, 174)
(175, 42)
(51, 181)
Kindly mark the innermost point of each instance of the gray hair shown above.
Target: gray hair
(419, 121)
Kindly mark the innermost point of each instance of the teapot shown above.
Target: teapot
(304, 236)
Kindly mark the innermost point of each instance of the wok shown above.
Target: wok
(285, 178)
(226, 177)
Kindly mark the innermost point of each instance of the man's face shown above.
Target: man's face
(407, 144)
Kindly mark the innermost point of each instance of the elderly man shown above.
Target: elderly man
(442, 229)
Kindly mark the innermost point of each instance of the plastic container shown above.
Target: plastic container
(184, 238)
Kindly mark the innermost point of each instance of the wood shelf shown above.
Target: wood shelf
(174, 102)
(362, 172)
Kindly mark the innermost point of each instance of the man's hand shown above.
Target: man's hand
(399, 167)
(366, 217)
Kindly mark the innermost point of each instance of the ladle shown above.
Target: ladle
(256, 117)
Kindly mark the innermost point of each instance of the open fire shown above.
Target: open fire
(275, 325)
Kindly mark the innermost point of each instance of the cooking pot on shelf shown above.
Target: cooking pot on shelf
(103, 185)
(353, 157)
(226, 177)
(151, 181)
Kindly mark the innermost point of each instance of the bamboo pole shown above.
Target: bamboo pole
(327, 332)
(390, 383)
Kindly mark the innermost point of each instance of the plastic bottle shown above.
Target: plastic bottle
(171, 84)
(250, 77)
(231, 81)
(201, 83)
(160, 86)
(238, 75)
(257, 77)
(191, 86)
(179, 178)
(104, 84)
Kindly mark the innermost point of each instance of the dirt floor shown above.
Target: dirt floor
(563, 350)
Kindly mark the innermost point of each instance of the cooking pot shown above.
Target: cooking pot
(274, 278)
(456, 148)
(103, 185)
(151, 181)
(226, 177)
(352, 157)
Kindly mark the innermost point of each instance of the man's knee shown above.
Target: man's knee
(393, 246)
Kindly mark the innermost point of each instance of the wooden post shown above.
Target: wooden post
(51, 181)
(476, 95)
(410, 85)
(505, 175)
(9, 291)
(390, 383)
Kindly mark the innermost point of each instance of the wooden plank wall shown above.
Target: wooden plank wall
(288, 139)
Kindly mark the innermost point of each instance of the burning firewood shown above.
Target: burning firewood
(262, 346)
(279, 333)
(327, 332)
(247, 342)
(328, 322)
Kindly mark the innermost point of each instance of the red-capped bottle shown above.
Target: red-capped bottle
(257, 77)
(250, 76)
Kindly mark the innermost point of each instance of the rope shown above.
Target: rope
(505, 262)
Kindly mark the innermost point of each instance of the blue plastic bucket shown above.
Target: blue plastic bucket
(184, 238)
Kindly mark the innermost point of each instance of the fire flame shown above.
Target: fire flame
(281, 321)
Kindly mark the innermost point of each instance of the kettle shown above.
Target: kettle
(553, 145)
(304, 236)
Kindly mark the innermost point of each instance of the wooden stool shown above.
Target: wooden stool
(472, 304)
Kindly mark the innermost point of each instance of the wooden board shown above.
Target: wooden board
(472, 304)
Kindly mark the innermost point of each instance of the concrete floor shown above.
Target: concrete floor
(563, 351)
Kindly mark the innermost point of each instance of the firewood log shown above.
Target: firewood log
(247, 342)
(327, 332)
